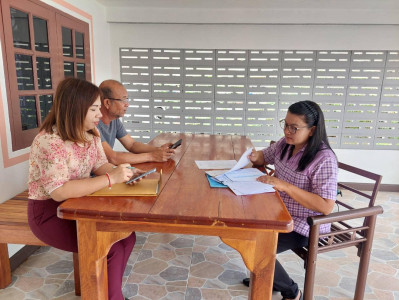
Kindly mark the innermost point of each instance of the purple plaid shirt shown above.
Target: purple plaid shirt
(319, 177)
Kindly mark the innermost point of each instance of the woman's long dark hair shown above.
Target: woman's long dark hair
(313, 117)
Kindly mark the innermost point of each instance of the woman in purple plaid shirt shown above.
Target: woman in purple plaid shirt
(306, 172)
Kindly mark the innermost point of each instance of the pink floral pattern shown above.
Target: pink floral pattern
(53, 162)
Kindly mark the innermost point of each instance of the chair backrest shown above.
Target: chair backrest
(376, 181)
(340, 229)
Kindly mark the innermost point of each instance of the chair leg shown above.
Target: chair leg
(310, 275)
(5, 269)
(76, 273)
(365, 260)
(311, 262)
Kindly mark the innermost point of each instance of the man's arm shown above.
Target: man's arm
(138, 152)
(136, 147)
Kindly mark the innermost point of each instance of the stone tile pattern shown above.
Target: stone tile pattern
(187, 267)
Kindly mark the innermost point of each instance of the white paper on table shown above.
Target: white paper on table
(215, 164)
(248, 174)
(249, 188)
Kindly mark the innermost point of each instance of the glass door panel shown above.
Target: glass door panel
(46, 102)
(68, 69)
(80, 46)
(28, 112)
(43, 73)
(41, 35)
(67, 42)
(24, 68)
(20, 29)
(80, 70)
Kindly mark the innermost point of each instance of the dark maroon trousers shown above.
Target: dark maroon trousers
(62, 234)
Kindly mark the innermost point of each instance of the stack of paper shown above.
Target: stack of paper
(240, 181)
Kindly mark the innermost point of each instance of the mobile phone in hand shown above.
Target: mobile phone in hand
(142, 175)
(175, 145)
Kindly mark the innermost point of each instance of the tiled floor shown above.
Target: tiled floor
(167, 266)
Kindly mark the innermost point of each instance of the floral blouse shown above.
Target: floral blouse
(53, 162)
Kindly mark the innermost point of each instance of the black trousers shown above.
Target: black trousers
(282, 281)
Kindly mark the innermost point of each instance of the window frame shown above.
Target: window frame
(55, 20)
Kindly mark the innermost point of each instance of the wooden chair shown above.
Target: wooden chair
(344, 233)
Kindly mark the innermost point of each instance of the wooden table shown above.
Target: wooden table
(185, 205)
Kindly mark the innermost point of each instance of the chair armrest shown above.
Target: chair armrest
(345, 215)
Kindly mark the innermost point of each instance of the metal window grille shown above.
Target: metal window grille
(246, 92)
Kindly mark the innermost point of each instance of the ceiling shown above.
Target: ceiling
(262, 4)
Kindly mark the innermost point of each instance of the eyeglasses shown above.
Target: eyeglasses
(291, 128)
(125, 101)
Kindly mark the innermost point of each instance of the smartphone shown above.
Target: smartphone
(175, 145)
(142, 175)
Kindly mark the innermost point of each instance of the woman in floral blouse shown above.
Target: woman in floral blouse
(62, 157)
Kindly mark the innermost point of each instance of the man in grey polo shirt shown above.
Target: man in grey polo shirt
(114, 103)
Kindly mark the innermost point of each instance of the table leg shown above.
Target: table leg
(259, 256)
(5, 269)
(93, 249)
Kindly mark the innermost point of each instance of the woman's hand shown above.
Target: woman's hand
(121, 173)
(256, 158)
(136, 172)
(278, 184)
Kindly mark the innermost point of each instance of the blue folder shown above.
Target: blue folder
(214, 183)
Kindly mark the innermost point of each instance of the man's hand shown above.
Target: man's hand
(162, 154)
(166, 146)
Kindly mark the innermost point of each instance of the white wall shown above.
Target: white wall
(13, 179)
(254, 11)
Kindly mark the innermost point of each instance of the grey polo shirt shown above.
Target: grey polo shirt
(112, 131)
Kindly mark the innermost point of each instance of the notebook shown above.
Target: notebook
(145, 187)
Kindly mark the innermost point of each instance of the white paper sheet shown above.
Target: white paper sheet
(249, 188)
(215, 164)
(244, 175)
(243, 161)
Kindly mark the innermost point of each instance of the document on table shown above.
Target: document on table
(241, 175)
(241, 181)
(242, 162)
(249, 187)
(215, 164)
(226, 165)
